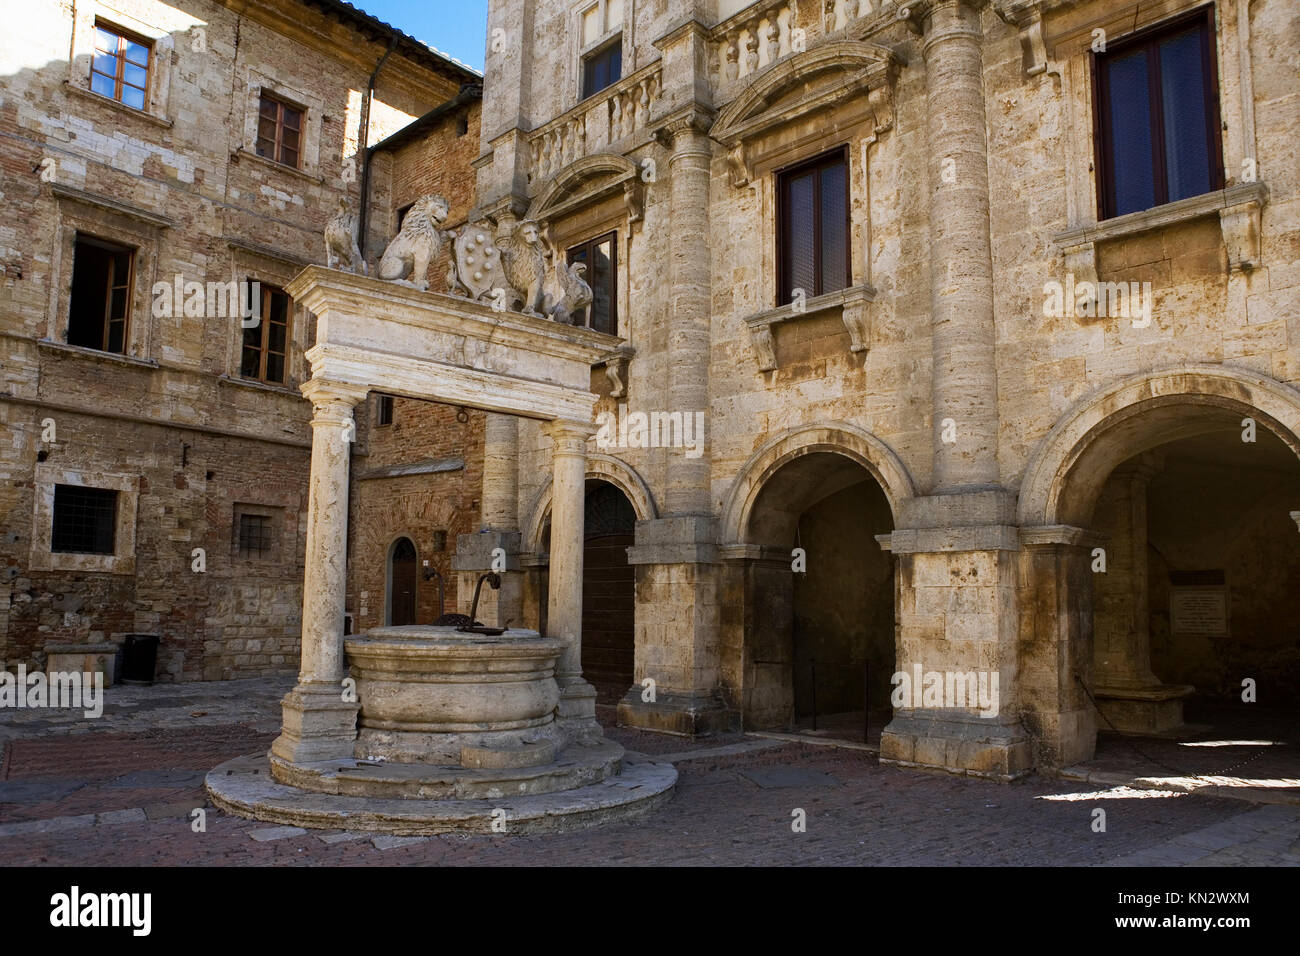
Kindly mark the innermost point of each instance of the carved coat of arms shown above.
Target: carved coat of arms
(478, 261)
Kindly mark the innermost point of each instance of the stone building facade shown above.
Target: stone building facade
(193, 142)
(996, 353)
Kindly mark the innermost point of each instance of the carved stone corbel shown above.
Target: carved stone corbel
(616, 363)
(738, 166)
(634, 199)
(764, 347)
(1081, 262)
(857, 318)
(1240, 226)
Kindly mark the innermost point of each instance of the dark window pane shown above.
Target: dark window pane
(800, 236)
(274, 368)
(276, 332)
(601, 279)
(834, 228)
(602, 69)
(85, 520)
(254, 536)
(1130, 133)
(101, 272)
(1182, 81)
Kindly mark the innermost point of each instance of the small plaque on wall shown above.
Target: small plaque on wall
(1199, 611)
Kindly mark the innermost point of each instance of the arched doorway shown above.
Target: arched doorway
(1184, 484)
(820, 619)
(608, 592)
(402, 578)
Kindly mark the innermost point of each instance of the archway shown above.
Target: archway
(608, 587)
(1188, 481)
(819, 596)
(402, 582)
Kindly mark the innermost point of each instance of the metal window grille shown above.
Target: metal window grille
(85, 520)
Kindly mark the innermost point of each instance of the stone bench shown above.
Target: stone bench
(84, 658)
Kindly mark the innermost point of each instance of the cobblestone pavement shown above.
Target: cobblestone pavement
(121, 790)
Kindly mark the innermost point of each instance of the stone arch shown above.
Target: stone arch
(604, 468)
(1136, 414)
(578, 176)
(839, 438)
(795, 72)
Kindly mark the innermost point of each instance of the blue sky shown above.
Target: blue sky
(456, 27)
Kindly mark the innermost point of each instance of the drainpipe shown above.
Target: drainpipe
(363, 145)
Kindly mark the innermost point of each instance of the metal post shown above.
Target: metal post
(814, 691)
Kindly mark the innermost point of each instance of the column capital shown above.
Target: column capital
(685, 131)
(322, 393)
(570, 437)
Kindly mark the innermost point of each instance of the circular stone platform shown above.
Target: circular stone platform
(244, 786)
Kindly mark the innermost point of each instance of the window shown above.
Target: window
(100, 305)
(85, 520)
(813, 227)
(1157, 117)
(120, 67)
(384, 411)
(255, 536)
(601, 69)
(602, 55)
(600, 257)
(279, 131)
(266, 344)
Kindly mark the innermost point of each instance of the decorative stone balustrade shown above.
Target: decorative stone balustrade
(596, 123)
(765, 33)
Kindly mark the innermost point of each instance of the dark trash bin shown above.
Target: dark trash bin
(139, 658)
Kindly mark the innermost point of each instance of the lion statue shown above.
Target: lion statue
(523, 258)
(341, 240)
(577, 293)
(417, 244)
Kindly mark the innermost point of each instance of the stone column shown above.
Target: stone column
(957, 547)
(965, 385)
(499, 528)
(577, 709)
(1130, 696)
(678, 627)
(317, 723)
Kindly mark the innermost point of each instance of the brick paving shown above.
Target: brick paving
(121, 792)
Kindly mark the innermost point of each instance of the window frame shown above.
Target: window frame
(273, 515)
(112, 495)
(282, 104)
(1103, 155)
(606, 38)
(589, 245)
(46, 477)
(113, 248)
(267, 291)
(781, 177)
(123, 36)
(384, 411)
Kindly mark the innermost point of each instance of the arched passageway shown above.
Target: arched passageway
(819, 635)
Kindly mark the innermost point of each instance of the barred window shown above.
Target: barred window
(85, 520)
(255, 536)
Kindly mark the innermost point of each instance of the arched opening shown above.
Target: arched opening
(402, 577)
(1195, 586)
(819, 629)
(608, 590)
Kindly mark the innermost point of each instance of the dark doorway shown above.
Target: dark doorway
(608, 593)
(402, 578)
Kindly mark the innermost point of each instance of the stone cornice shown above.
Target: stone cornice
(138, 213)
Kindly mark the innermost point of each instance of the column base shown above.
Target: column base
(687, 715)
(576, 713)
(317, 724)
(974, 746)
(1145, 710)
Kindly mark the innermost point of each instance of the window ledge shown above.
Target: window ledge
(116, 105)
(258, 386)
(242, 153)
(1237, 206)
(95, 355)
(852, 303)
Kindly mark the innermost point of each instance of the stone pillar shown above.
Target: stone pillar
(577, 710)
(1130, 696)
(957, 548)
(965, 387)
(317, 723)
(678, 626)
(499, 505)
